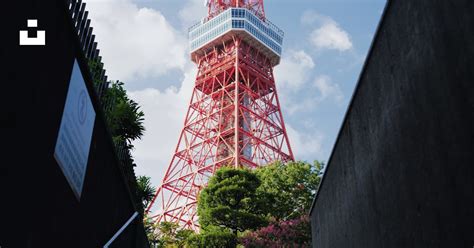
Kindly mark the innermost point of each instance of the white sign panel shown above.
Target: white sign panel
(75, 133)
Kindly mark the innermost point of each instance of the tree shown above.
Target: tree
(289, 233)
(145, 191)
(213, 237)
(125, 123)
(182, 237)
(124, 120)
(230, 201)
(237, 201)
(289, 188)
(95, 68)
(124, 117)
(169, 235)
(150, 226)
(167, 232)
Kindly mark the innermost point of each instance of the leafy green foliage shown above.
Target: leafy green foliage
(167, 232)
(230, 201)
(289, 188)
(236, 202)
(213, 238)
(150, 227)
(125, 123)
(182, 237)
(169, 235)
(145, 191)
(96, 70)
(124, 117)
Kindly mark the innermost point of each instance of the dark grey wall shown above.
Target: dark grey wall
(37, 205)
(402, 170)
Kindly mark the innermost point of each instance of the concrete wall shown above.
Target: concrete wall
(37, 205)
(402, 171)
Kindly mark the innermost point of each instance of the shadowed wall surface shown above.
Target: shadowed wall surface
(402, 171)
(37, 206)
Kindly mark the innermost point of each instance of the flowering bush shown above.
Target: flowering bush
(290, 233)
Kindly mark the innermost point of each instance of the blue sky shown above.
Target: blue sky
(144, 44)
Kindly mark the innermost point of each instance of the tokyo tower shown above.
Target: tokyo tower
(234, 116)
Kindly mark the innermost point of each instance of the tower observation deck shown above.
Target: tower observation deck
(234, 116)
(241, 22)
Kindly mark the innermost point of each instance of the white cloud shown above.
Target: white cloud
(328, 90)
(135, 43)
(322, 89)
(294, 70)
(291, 75)
(295, 105)
(305, 145)
(192, 11)
(164, 117)
(329, 35)
(297, 92)
(140, 44)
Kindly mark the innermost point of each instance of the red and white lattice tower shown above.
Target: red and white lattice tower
(234, 116)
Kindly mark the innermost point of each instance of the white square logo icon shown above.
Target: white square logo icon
(39, 40)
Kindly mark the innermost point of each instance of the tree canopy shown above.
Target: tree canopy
(145, 191)
(289, 233)
(170, 236)
(289, 188)
(267, 205)
(264, 207)
(230, 201)
(124, 117)
(125, 122)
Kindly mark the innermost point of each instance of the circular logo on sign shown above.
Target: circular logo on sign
(82, 107)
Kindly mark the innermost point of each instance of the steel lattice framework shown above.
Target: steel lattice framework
(234, 116)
